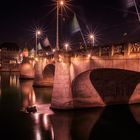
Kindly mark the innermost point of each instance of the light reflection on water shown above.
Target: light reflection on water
(28, 95)
(123, 122)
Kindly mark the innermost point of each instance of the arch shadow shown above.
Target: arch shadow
(48, 74)
(105, 86)
(115, 86)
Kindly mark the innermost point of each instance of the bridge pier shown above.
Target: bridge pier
(62, 94)
(26, 69)
(38, 73)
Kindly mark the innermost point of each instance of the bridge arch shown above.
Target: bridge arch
(84, 93)
(48, 73)
(103, 86)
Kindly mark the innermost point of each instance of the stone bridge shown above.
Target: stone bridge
(96, 77)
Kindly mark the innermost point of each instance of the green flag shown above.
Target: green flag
(75, 25)
(39, 47)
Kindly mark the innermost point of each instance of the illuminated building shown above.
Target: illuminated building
(9, 54)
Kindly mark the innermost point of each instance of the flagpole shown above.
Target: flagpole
(137, 10)
(57, 26)
(83, 38)
(82, 34)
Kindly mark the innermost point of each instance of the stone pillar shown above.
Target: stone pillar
(62, 95)
(38, 73)
(128, 49)
(112, 50)
(100, 51)
(26, 70)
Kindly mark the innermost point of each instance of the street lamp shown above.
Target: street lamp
(92, 38)
(37, 33)
(53, 50)
(66, 45)
(59, 3)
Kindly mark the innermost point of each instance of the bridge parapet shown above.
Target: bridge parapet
(116, 50)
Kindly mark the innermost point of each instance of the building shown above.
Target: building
(9, 54)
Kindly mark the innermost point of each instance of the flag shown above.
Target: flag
(130, 3)
(75, 25)
(32, 52)
(46, 42)
(39, 47)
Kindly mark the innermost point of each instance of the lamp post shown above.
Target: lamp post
(37, 33)
(135, 4)
(59, 3)
(92, 38)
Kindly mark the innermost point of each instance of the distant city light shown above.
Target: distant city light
(53, 50)
(36, 59)
(89, 55)
(60, 59)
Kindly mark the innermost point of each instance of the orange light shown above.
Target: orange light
(91, 36)
(66, 46)
(36, 59)
(38, 32)
(53, 50)
(61, 2)
(60, 59)
(89, 55)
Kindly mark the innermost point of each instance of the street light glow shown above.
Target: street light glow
(61, 2)
(89, 55)
(91, 36)
(36, 59)
(53, 50)
(66, 45)
(38, 32)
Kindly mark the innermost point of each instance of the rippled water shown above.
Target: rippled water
(111, 123)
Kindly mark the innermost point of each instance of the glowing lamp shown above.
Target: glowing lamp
(61, 2)
(53, 50)
(89, 55)
(36, 59)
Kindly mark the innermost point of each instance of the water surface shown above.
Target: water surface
(120, 122)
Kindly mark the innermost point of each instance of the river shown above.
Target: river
(111, 123)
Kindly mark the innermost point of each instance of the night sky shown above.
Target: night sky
(111, 20)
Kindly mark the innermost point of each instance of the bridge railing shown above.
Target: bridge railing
(120, 49)
(111, 50)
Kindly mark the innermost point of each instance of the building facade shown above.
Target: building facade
(9, 55)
